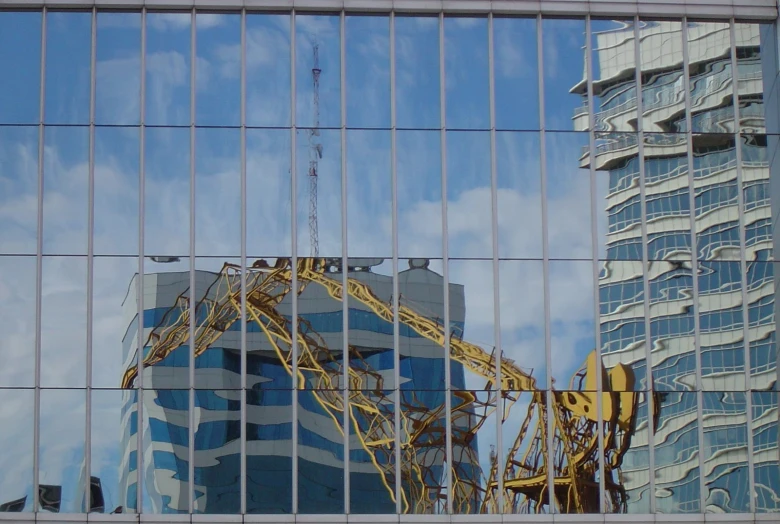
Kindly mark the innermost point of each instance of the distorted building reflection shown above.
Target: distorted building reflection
(269, 416)
(368, 331)
(665, 211)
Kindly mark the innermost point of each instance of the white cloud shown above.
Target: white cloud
(181, 21)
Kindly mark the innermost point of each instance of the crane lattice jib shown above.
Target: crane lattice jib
(373, 427)
(525, 471)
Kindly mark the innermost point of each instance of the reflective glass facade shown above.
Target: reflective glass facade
(403, 263)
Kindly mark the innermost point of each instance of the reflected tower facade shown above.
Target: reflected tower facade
(699, 302)
(217, 397)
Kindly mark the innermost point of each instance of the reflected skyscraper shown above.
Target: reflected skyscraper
(321, 463)
(691, 345)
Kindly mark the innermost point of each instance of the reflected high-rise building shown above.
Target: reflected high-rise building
(269, 414)
(661, 206)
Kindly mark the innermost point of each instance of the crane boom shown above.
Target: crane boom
(526, 470)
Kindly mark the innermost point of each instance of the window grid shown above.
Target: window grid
(746, 202)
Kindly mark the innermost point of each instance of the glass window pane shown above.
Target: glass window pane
(166, 422)
(521, 290)
(217, 192)
(166, 314)
(618, 201)
(116, 191)
(466, 73)
(268, 202)
(269, 441)
(761, 321)
(370, 324)
(473, 419)
(519, 195)
(217, 326)
(663, 89)
(61, 486)
(630, 450)
(267, 70)
(68, 57)
(421, 297)
(571, 320)
(751, 41)
(16, 458)
(667, 197)
(524, 459)
(17, 321)
(417, 78)
(614, 77)
(217, 487)
(765, 450)
(168, 63)
(709, 58)
(320, 452)
(423, 465)
(622, 323)
(568, 191)
(418, 174)
(218, 69)
(725, 457)
(469, 217)
(65, 190)
(319, 173)
(721, 326)
(676, 444)
(19, 195)
(367, 63)
(472, 323)
(317, 47)
(114, 475)
(369, 194)
(20, 42)
(114, 319)
(672, 325)
(516, 73)
(118, 68)
(372, 452)
(563, 53)
(167, 192)
(64, 322)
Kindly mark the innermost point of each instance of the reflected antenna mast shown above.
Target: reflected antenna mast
(315, 153)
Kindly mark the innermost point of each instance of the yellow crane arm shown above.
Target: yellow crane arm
(470, 355)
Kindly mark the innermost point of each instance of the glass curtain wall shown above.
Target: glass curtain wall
(328, 263)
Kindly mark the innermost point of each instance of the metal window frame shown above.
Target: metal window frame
(445, 252)
(140, 285)
(711, 9)
(594, 240)
(90, 266)
(345, 358)
(549, 406)
(243, 365)
(650, 386)
(498, 352)
(192, 301)
(445, 269)
(694, 263)
(743, 269)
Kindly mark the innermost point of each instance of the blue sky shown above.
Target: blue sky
(217, 190)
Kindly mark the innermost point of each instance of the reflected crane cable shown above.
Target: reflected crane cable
(574, 439)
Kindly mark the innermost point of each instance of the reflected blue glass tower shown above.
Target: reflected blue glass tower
(681, 462)
(269, 445)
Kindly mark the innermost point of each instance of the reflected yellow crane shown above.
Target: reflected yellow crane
(525, 470)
